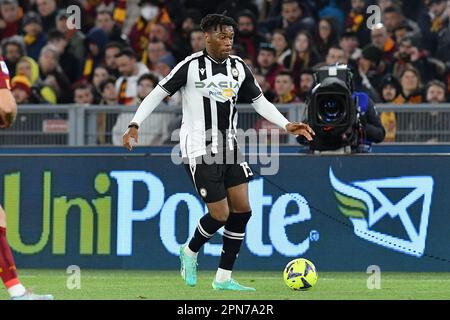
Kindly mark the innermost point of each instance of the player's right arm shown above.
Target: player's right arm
(166, 87)
(145, 109)
(8, 107)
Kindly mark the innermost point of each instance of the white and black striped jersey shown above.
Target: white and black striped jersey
(209, 91)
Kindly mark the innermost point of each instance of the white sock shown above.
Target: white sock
(223, 275)
(190, 253)
(17, 290)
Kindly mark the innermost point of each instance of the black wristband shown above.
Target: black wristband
(133, 125)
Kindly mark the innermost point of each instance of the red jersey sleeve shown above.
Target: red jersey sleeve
(4, 75)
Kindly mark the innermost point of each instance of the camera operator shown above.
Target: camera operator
(371, 129)
(345, 121)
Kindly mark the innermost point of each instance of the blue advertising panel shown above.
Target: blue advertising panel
(342, 212)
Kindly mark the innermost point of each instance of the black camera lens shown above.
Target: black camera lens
(331, 109)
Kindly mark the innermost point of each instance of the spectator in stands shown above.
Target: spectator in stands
(436, 92)
(21, 89)
(267, 63)
(145, 84)
(410, 54)
(106, 121)
(390, 90)
(265, 86)
(41, 92)
(350, 44)
(281, 44)
(28, 67)
(380, 38)
(130, 71)
(357, 21)
(164, 65)
(74, 36)
(401, 32)
(197, 40)
(155, 128)
(304, 55)
(393, 18)
(285, 88)
(152, 13)
(11, 16)
(104, 20)
(431, 22)
(411, 86)
(335, 55)
(434, 123)
(100, 75)
(247, 34)
(157, 50)
(305, 85)
(326, 35)
(95, 44)
(34, 38)
(53, 75)
(444, 44)
(160, 32)
(108, 91)
(83, 94)
(284, 94)
(370, 71)
(13, 49)
(48, 11)
(68, 62)
(183, 37)
(112, 49)
(292, 20)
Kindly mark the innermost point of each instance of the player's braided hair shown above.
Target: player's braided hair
(214, 20)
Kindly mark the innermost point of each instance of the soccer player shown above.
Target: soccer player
(210, 81)
(8, 274)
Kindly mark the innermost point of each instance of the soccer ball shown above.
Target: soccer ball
(300, 274)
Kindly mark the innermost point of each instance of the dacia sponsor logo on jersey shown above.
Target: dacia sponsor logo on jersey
(220, 84)
(356, 201)
(221, 91)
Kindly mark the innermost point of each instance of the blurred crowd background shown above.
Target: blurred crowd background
(123, 48)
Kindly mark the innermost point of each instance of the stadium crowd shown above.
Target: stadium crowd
(122, 48)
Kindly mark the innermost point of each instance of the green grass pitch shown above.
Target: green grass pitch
(167, 285)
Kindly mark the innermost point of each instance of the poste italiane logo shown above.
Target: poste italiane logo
(356, 201)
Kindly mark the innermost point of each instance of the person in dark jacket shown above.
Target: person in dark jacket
(371, 129)
(95, 43)
(248, 35)
(293, 19)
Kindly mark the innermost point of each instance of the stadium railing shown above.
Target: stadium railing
(97, 125)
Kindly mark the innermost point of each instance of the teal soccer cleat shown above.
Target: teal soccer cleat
(230, 285)
(188, 268)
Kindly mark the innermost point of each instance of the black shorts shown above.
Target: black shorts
(211, 180)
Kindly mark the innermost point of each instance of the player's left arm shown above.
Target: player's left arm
(267, 110)
(251, 91)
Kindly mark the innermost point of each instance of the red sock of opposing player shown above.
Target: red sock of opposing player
(8, 268)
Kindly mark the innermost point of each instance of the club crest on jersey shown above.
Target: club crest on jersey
(203, 192)
(234, 72)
